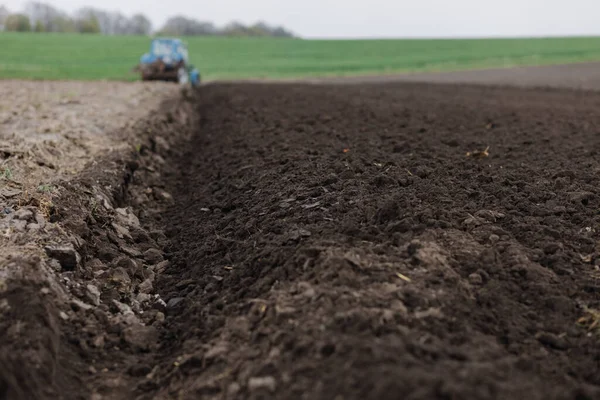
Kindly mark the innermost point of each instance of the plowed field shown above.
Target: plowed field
(295, 241)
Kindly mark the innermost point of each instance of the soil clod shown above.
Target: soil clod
(66, 255)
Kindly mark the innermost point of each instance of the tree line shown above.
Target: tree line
(43, 17)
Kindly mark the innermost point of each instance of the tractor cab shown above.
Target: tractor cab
(169, 51)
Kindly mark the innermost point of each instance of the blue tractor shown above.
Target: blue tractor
(168, 61)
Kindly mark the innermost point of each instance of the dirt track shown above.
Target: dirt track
(337, 242)
(567, 76)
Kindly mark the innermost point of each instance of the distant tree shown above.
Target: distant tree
(17, 23)
(140, 25)
(4, 13)
(114, 23)
(184, 26)
(46, 18)
(122, 24)
(43, 17)
(234, 29)
(88, 25)
(282, 33)
(39, 27)
(63, 24)
(257, 30)
(263, 29)
(104, 19)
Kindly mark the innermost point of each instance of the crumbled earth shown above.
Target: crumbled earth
(50, 132)
(52, 129)
(324, 242)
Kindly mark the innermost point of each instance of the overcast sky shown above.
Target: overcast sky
(374, 18)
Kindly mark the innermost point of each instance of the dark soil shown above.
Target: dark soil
(336, 242)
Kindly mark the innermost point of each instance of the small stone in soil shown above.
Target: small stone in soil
(174, 302)
(153, 256)
(121, 278)
(264, 382)
(98, 341)
(146, 286)
(93, 294)
(475, 279)
(128, 217)
(121, 231)
(139, 370)
(313, 205)
(24, 214)
(68, 258)
(552, 340)
(108, 254)
(41, 221)
(143, 298)
(161, 267)
(300, 233)
(159, 317)
(185, 283)
(233, 388)
(33, 227)
(494, 238)
(19, 225)
(159, 304)
(80, 305)
(131, 251)
(140, 337)
(165, 195)
(580, 197)
(552, 248)
(122, 308)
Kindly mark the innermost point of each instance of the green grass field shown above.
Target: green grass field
(71, 56)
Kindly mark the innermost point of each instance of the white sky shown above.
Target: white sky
(374, 18)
